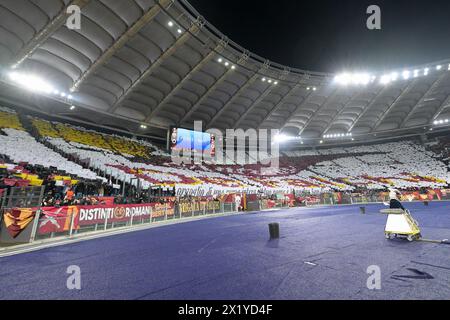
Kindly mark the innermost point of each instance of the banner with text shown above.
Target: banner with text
(60, 219)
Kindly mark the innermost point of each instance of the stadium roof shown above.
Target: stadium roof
(146, 65)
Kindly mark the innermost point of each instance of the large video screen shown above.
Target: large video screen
(192, 141)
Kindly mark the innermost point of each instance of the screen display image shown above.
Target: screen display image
(194, 141)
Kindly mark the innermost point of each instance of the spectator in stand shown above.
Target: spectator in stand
(69, 195)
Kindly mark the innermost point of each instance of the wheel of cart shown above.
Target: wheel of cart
(400, 223)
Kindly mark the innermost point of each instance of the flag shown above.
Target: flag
(16, 220)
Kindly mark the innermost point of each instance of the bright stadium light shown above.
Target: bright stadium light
(280, 138)
(354, 78)
(394, 76)
(385, 79)
(143, 126)
(343, 79)
(219, 60)
(406, 74)
(426, 71)
(441, 122)
(179, 31)
(361, 78)
(314, 88)
(227, 64)
(31, 82)
(416, 73)
(263, 79)
(170, 24)
(439, 67)
(275, 83)
(72, 107)
(233, 67)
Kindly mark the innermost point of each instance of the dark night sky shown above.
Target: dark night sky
(331, 36)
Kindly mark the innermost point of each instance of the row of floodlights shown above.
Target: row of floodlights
(440, 122)
(366, 78)
(35, 84)
(171, 24)
(226, 63)
(271, 81)
(338, 135)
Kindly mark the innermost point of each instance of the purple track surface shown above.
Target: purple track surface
(323, 253)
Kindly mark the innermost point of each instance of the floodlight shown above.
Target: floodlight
(343, 79)
(385, 79)
(31, 82)
(394, 76)
(282, 138)
(406, 74)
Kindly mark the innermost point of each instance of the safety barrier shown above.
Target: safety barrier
(340, 198)
(51, 222)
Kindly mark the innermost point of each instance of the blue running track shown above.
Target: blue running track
(323, 253)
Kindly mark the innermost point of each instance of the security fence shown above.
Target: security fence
(37, 223)
(341, 198)
(73, 220)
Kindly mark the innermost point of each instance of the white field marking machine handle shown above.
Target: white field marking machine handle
(392, 211)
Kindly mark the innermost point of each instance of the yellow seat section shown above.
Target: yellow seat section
(45, 128)
(130, 147)
(93, 139)
(88, 138)
(10, 121)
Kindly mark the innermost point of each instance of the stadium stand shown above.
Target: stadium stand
(75, 154)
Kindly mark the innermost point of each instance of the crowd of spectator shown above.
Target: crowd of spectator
(80, 166)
